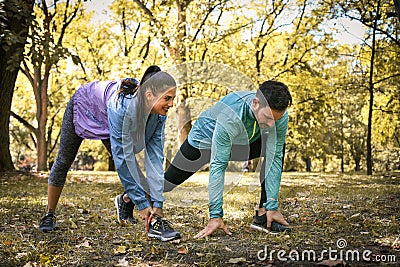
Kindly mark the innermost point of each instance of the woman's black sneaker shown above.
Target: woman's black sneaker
(48, 223)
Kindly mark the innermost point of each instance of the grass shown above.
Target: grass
(324, 210)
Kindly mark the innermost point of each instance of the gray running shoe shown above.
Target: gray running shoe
(162, 230)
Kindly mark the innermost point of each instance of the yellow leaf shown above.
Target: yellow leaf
(120, 250)
(375, 233)
(126, 236)
(73, 224)
(44, 260)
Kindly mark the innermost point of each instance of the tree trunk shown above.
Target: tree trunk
(341, 139)
(17, 21)
(358, 167)
(41, 162)
(7, 80)
(308, 164)
(40, 89)
(371, 93)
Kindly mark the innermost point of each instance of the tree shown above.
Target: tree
(377, 18)
(15, 19)
(45, 51)
(371, 88)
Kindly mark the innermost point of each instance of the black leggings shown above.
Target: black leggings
(189, 160)
(69, 146)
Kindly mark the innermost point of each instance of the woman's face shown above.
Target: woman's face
(163, 102)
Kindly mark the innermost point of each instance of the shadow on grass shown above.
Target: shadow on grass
(334, 217)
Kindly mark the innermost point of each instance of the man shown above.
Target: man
(241, 126)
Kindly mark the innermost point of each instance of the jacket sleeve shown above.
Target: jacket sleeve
(154, 159)
(221, 147)
(122, 146)
(273, 157)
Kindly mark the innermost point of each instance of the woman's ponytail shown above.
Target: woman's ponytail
(128, 86)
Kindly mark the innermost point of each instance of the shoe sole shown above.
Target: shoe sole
(262, 229)
(164, 239)
(47, 230)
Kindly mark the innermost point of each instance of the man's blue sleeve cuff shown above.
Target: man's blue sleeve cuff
(215, 210)
(141, 205)
(158, 204)
(271, 204)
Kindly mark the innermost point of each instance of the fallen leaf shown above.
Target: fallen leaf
(73, 224)
(183, 250)
(44, 260)
(375, 233)
(126, 236)
(123, 262)
(237, 260)
(69, 205)
(332, 263)
(7, 243)
(228, 249)
(84, 244)
(136, 249)
(21, 255)
(120, 250)
(355, 215)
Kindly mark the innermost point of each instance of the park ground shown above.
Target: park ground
(337, 220)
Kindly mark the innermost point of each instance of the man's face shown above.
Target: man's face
(265, 116)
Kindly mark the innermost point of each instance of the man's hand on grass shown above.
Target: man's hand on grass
(275, 215)
(212, 226)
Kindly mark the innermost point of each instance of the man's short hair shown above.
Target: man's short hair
(274, 94)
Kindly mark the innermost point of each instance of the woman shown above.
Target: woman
(137, 122)
(86, 117)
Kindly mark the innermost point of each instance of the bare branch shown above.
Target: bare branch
(387, 78)
(145, 9)
(23, 121)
